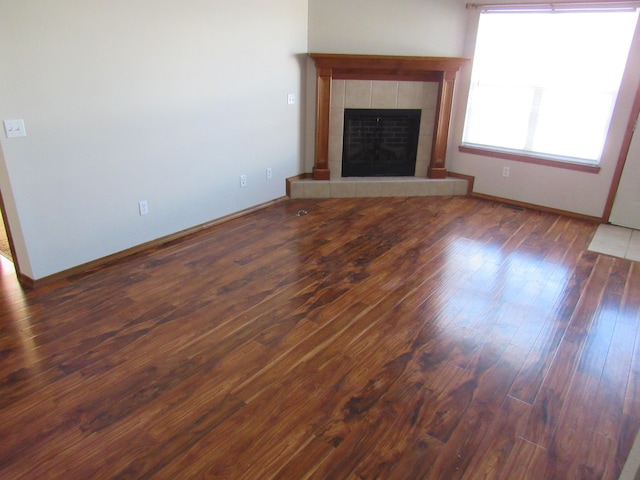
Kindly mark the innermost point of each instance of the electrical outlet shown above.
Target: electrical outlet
(505, 171)
(291, 99)
(243, 181)
(269, 173)
(143, 208)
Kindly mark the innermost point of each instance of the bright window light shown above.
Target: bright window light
(545, 84)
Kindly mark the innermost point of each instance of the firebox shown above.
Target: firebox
(380, 142)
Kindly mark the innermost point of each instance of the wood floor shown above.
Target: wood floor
(407, 338)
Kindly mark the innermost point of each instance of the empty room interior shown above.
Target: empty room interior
(320, 239)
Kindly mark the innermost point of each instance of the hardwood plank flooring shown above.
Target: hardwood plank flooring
(404, 338)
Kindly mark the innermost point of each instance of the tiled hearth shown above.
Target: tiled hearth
(376, 187)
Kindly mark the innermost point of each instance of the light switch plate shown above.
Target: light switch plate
(14, 128)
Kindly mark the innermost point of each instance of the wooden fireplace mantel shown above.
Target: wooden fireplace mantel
(382, 67)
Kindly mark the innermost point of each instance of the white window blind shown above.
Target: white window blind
(545, 82)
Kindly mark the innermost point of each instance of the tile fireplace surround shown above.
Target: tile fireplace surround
(382, 94)
(374, 81)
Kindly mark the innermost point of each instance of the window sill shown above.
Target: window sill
(518, 157)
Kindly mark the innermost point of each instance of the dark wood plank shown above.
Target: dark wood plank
(490, 458)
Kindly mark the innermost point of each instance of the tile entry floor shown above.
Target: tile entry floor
(617, 241)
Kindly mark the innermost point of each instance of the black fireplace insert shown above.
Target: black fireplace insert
(380, 142)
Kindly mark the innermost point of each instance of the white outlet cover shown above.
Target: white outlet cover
(14, 128)
(291, 99)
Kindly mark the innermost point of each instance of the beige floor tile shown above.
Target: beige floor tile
(297, 190)
(460, 187)
(633, 250)
(617, 241)
(317, 189)
(443, 187)
(368, 189)
(418, 189)
(343, 189)
(394, 189)
(376, 187)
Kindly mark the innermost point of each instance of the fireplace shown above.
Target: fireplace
(380, 142)
(440, 71)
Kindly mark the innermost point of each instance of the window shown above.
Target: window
(544, 82)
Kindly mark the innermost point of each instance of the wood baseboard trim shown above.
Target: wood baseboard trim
(26, 281)
(95, 265)
(541, 208)
(469, 178)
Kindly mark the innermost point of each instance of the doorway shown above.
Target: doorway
(622, 207)
(5, 249)
(621, 237)
(626, 206)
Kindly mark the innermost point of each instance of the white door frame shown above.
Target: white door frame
(622, 158)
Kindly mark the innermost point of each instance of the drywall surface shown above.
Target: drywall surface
(129, 100)
(387, 27)
(567, 190)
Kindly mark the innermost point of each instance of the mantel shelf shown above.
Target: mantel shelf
(373, 63)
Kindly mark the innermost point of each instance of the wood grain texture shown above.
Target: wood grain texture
(404, 338)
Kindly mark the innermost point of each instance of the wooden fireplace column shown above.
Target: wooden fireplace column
(381, 67)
